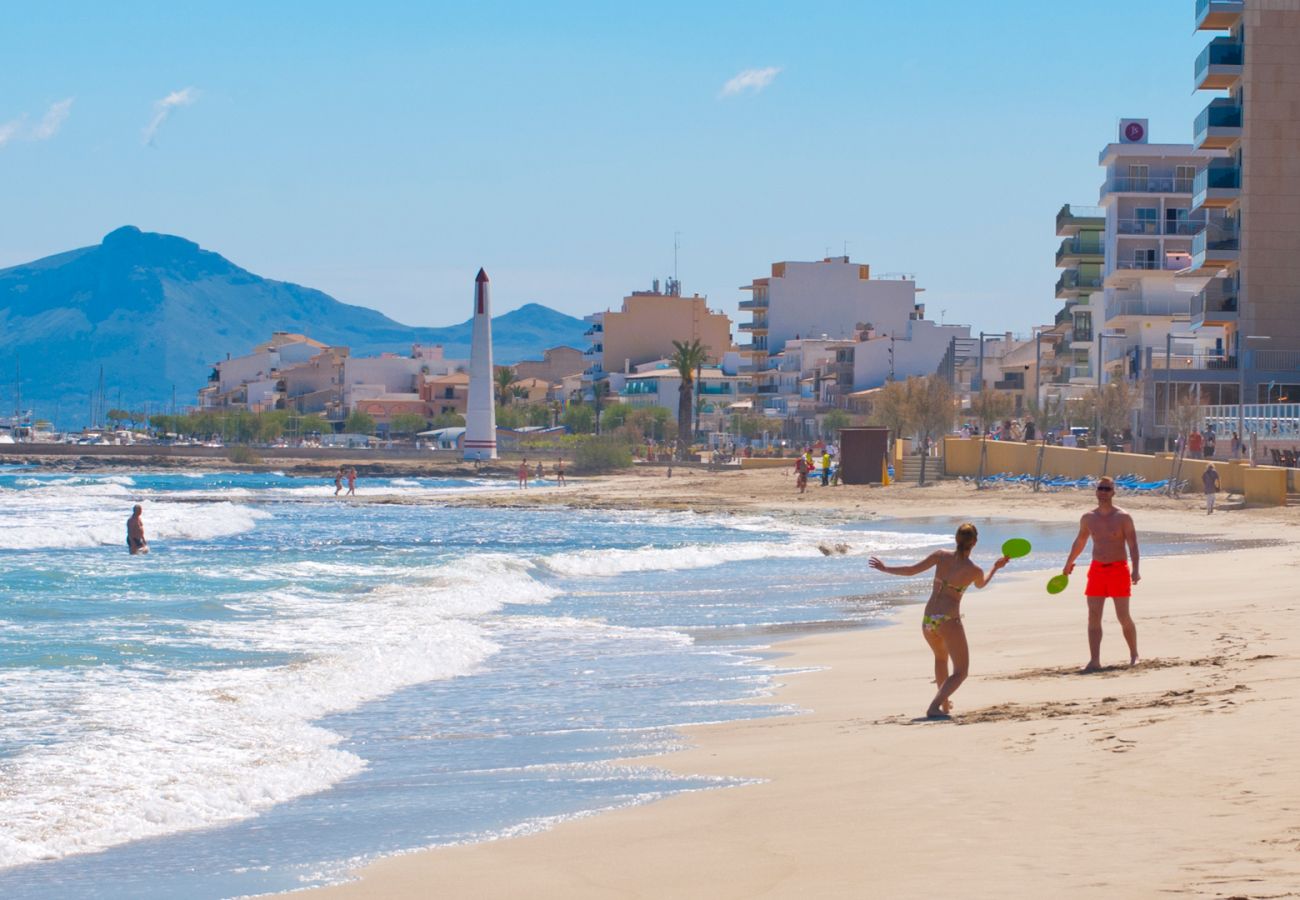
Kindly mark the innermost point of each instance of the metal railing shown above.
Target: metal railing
(1218, 297)
(1071, 280)
(1077, 215)
(1220, 237)
(1264, 419)
(1152, 265)
(1194, 361)
(1220, 113)
(1148, 306)
(1274, 360)
(1155, 227)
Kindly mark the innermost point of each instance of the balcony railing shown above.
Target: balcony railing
(1071, 218)
(1148, 306)
(1222, 51)
(1155, 227)
(1072, 281)
(1216, 304)
(1152, 265)
(1218, 175)
(1217, 15)
(1147, 184)
(1218, 125)
(1199, 361)
(1217, 238)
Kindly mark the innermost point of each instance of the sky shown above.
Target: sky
(383, 152)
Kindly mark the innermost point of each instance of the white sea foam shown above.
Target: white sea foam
(159, 753)
(59, 521)
(807, 544)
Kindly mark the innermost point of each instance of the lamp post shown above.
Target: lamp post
(1241, 382)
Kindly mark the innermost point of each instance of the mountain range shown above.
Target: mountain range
(156, 311)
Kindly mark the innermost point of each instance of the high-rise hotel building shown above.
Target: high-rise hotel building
(1251, 244)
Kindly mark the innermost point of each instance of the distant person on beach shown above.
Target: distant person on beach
(826, 468)
(523, 474)
(559, 472)
(1236, 445)
(135, 541)
(540, 473)
(338, 481)
(1030, 430)
(801, 473)
(1195, 443)
(1114, 543)
(941, 623)
(1209, 442)
(1210, 481)
(352, 482)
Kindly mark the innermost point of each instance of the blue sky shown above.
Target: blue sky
(382, 152)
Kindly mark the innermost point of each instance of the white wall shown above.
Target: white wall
(398, 374)
(815, 298)
(920, 354)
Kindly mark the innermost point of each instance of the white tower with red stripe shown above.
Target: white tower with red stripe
(480, 407)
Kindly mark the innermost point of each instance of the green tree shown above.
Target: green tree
(504, 377)
(1111, 407)
(510, 416)
(615, 415)
(893, 410)
(407, 423)
(686, 359)
(358, 422)
(117, 416)
(448, 420)
(833, 421)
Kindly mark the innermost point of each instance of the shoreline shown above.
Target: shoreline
(1022, 793)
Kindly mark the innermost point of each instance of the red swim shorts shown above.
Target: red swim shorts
(1109, 580)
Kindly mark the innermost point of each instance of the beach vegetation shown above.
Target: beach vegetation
(988, 407)
(448, 420)
(687, 360)
(602, 453)
(579, 418)
(934, 408)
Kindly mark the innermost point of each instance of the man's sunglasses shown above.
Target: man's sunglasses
(1105, 487)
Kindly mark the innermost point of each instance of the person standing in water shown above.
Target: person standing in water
(352, 482)
(1114, 543)
(135, 541)
(338, 481)
(941, 623)
(559, 472)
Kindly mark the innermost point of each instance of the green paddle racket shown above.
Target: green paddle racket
(1057, 583)
(1016, 548)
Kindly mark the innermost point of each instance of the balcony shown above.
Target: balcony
(1071, 219)
(754, 303)
(1218, 15)
(754, 327)
(1146, 184)
(1071, 284)
(1219, 65)
(1218, 247)
(1216, 305)
(594, 329)
(1123, 305)
(1198, 362)
(594, 350)
(1218, 126)
(1075, 250)
(1217, 185)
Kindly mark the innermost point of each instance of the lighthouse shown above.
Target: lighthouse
(480, 407)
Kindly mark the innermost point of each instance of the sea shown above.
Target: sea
(292, 684)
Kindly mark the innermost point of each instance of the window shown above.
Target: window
(1176, 221)
(1148, 220)
(1137, 178)
(1183, 177)
(1144, 259)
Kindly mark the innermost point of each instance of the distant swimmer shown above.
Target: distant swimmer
(352, 482)
(135, 541)
(338, 481)
(1114, 544)
(941, 623)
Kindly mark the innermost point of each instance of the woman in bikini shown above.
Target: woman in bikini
(941, 624)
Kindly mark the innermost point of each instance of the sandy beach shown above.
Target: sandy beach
(1176, 777)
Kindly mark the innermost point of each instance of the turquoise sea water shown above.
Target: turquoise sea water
(290, 684)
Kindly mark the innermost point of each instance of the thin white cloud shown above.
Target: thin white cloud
(162, 109)
(11, 129)
(18, 130)
(52, 121)
(750, 80)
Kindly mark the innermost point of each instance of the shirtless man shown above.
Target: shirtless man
(135, 541)
(1114, 543)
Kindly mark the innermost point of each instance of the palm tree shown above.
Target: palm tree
(504, 378)
(686, 359)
